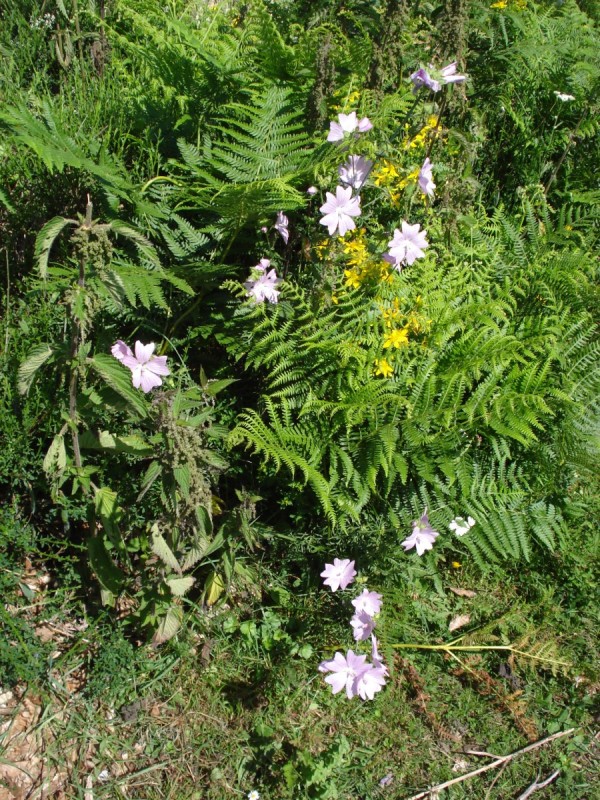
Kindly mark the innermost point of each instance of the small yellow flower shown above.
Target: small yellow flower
(456, 564)
(500, 4)
(353, 278)
(396, 338)
(334, 299)
(386, 174)
(383, 367)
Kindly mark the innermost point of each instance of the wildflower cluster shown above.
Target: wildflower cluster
(352, 671)
(423, 535)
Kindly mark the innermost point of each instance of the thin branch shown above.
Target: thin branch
(535, 786)
(494, 765)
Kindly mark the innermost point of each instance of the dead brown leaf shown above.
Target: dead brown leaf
(462, 592)
(459, 622)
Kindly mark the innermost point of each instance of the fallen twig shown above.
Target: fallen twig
(498, 763)
(535, 785)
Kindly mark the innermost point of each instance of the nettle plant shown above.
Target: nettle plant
(139, 450)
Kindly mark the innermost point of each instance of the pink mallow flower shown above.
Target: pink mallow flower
(433, 78)
(369, 602)
(377, 662)
(281, 226)
(263, 288)
(145, 367)
(339, 575)
(362, 625)
(426, 184)
(369, 682)
(120, 350)
(355, 171)
(345, 672)
(422, 537)
(348, 123)
(339, 210)
(449, 74)
(407, 245)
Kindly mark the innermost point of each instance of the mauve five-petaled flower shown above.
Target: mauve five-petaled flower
(352, 673)
(145, 367)
(281, 226)
(426, 184)
(369, 602)
(263, 287)
(355, 171)
(422, 537)
(433, 79)
(407, 245)
(339, 210)
(339, 575)
(362, 625)
(348, 123)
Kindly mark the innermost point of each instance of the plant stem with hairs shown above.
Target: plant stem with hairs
(76, 342)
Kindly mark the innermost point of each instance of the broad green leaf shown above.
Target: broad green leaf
(168, 626)
(56, 457)
(161, 549)
(179, 586)
(105, 501)
(152, 473)
(28, 369)
(182, 476)
(118, 378)
(109, 575)
(46, 238)
(214, 589)
(204, 520)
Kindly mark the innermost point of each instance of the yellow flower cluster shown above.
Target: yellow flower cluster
(518, 4)
(349, 101)
(361, 265)
(387, 175)
(399, 326)
(422, 137)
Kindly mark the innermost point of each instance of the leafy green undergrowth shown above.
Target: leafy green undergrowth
(236, 703)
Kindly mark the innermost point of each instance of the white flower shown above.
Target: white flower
(564, 97)
(355, 171)
(253, 795)
(348, 123)
(339, 210)
(461, 526)
(426, 184)
(263, 288)
(407, 245)
(362, 626)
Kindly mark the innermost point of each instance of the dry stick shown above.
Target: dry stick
(498, 763)
(535, 785)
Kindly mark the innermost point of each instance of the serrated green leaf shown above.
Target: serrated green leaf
(161, 549)
(109, 575)
(118, 378)
(214, 589)
(28, 369)
(105, 501)
(46, 238)
(182, 476)
(179, 586)
(56, 457)
(152, 473)
(168, 626)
